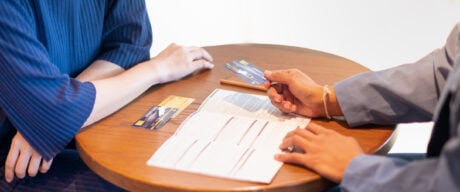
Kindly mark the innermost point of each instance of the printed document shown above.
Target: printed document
(232, 135)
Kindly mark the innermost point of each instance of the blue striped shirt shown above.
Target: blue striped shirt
(44, 44)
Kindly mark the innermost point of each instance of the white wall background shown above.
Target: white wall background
(376, 34)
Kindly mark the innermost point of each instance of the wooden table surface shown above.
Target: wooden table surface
(118, 152)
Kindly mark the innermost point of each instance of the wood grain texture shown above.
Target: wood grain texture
(118, 152)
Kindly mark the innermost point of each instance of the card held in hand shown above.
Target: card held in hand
(247, 71)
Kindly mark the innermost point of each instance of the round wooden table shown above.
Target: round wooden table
(118, 152)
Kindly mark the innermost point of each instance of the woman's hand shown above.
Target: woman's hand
(23, 158)
(176, 62)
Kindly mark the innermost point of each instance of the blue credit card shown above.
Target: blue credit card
(247, 71)
(155, 117)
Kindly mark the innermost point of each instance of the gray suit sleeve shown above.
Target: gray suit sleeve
(377, 173)
(407, 93)
(381, 174)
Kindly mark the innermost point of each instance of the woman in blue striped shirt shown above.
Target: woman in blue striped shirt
(62, 66)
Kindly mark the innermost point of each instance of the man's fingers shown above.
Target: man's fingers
(280, 88)
(298, 138)
(277, 100)
(274, 95)
(280, 76)
(296, 158)
(316, 129)
(305, 133)
(280, 101)
(287, 94)
(289, 107)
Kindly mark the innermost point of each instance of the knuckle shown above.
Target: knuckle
(9, 166)
(297, 132)
(311, 162)
(292, 71)
(16, 142)
(296, 138)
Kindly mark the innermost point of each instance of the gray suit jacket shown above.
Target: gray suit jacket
(426, 90)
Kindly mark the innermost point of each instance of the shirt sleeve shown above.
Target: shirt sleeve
(381, 174)
(46, 106)
(407, 93)
(440, 173)
(127, 34)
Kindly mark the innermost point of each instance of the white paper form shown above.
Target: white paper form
(226, 144)
(248, 105)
